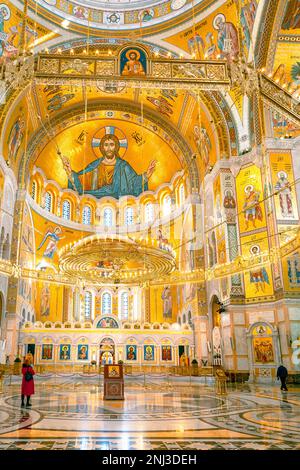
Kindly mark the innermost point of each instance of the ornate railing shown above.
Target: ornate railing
(161, 73)
(280, 98)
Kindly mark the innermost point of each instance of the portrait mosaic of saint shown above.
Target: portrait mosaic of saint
(133, 63)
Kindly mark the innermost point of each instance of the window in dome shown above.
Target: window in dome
(87, 215)
(124, 307)
(33, 190)
(149, 212)
(108, 217)
(66, 211)
(106, 303)
(48, 201)
(129, 216)
(167, 204)
(88, 304)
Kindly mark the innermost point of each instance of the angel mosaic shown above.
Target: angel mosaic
(52, 238)
(15, 137)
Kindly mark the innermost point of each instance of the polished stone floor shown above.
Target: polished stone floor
(158, 413)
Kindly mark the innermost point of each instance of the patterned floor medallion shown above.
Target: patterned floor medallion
(70, 413)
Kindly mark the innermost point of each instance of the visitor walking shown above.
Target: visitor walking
(282, 374)
(27, 382)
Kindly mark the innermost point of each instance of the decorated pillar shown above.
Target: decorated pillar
(146, 305)
(58, 206)
(77, 213)
(254, 234)
(115, 302)
(130, 305)
(200, 326)
(232, 232)
(76, 304)
(12, 332)
(67, 304)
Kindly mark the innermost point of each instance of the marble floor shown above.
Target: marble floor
(158, 414)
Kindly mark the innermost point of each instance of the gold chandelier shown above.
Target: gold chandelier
(99, 259)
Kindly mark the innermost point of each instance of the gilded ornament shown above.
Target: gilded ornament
(105, 68)
(188, 71)
(216, 71)
(161, 70)
(49, 66)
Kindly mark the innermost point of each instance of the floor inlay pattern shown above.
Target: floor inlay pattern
(160, 415)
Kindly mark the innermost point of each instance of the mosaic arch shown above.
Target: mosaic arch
(177, 128)
(138, 147)
(75, 115)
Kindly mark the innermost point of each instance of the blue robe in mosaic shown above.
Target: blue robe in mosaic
(126, 182)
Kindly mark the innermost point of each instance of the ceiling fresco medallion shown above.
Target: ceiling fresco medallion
(124, 14)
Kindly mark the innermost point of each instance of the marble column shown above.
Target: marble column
(200, 337)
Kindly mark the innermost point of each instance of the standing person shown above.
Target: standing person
(282, 374)
(27, 382)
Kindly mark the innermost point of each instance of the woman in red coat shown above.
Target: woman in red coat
(27, 382)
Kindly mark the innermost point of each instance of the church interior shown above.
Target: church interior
(149, 218)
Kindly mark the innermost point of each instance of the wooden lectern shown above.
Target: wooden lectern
(113, 382)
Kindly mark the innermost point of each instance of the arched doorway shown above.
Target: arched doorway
(107, 351)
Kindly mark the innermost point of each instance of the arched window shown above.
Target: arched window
(66, 210)
(33, 190)
(129, 216)
(124, 306)
(87, 215)
(48, 201)
(88, 304)
(167, 204)
(107, 217)
(106, 303)
(149, 212)
(181, 195)
(184, 318)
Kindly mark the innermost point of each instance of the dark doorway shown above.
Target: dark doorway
(31, 349)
